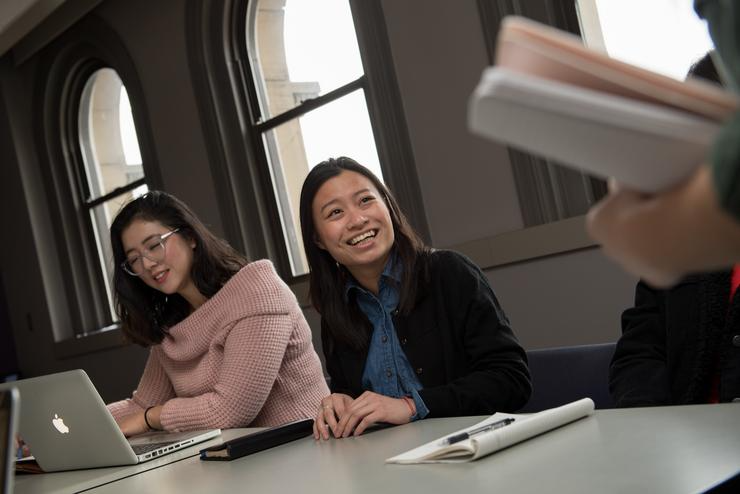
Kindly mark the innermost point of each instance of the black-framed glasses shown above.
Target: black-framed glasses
(154, 250)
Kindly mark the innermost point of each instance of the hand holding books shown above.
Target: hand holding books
(554, 97)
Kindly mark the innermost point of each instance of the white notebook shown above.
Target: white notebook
(477, 445)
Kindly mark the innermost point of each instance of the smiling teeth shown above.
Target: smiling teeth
(360, 238)
(159, 276)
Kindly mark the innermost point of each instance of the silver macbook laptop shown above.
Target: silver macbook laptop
(8, 419)
(67, 426)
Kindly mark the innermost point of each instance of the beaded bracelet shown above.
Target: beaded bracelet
(410, 403)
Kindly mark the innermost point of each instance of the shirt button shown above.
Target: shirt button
(419, 370)
(384, 339)
(395, 312)
(404, 341)
(388, 373)
(736, 340)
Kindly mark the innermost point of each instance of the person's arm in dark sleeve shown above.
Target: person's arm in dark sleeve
(498, 379)
(638, 375)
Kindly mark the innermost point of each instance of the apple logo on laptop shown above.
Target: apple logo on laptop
(58, 423)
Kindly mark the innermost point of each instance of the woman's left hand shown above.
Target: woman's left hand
(134, 424)
(370, 408)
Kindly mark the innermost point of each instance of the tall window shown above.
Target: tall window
(311, 89)
(112, 171)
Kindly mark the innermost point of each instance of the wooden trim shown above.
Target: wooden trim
(535, 242)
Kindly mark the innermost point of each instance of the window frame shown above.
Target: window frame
(545, 188)
(219, 44)
(75, 273)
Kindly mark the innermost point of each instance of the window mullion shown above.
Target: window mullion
(311, 104)
(91, 203)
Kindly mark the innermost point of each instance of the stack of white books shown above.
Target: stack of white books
(551, 96)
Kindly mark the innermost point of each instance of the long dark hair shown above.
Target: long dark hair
(146, 313)
(328, 279)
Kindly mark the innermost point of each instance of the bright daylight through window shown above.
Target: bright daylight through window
(665, 36)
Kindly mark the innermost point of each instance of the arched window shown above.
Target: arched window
(311, 91)
(95, 158)
(111, 171)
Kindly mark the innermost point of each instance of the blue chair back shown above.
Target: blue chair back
(564, 374)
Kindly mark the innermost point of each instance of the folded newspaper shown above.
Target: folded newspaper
(497, 432)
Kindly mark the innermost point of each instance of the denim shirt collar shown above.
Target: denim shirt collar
(393, 270)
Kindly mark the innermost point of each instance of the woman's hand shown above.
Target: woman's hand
(134, 424)
(331, 409)
(370, 408)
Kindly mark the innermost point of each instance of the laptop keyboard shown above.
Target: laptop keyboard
(142, 449)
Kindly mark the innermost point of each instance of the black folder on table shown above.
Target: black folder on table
(258, 441)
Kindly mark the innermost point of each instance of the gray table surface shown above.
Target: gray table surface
(664, 449)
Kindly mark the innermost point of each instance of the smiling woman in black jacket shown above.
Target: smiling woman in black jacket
(408, 332)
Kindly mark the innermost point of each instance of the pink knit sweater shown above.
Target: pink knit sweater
(244, 358)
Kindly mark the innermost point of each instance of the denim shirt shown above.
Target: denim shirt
(387, 370)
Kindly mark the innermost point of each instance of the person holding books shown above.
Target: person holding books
(408, 332)
(229, 346)
(693, 227)
(678, 345)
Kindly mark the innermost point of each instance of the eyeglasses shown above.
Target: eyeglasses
(154, 251)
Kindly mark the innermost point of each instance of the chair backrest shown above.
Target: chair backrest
(564, 374)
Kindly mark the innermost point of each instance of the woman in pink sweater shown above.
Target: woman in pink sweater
(229, 346)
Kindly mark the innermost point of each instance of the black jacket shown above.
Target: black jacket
(671, 341)
(457, 339)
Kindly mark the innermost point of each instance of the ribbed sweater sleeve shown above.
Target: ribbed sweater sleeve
(154, 388)
(253, 353)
